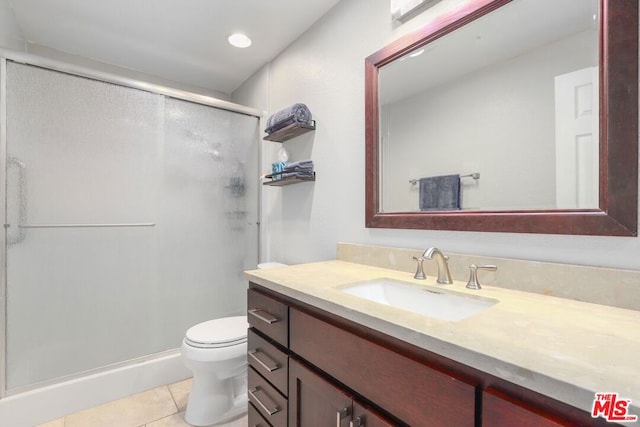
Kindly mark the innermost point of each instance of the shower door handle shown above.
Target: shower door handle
(114, 225)
(22, 202)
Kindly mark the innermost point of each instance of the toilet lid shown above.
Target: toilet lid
(222, 332)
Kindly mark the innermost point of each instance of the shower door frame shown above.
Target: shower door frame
(79, 71)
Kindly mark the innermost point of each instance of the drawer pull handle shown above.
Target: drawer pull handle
(271, 411)
(342, 413)
(267, 317)
(358, 422)
(268, 364)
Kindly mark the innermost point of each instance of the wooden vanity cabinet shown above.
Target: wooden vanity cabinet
(255, 419)
(364, 416)
(315, 401)
(268, 360)
(270, 404)
(499, 409)
(410, 390)
(269, 316)
(342, 373)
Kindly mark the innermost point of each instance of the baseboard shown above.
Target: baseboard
(55, 401)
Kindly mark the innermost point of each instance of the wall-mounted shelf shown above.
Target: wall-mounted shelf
(291, 131)
(285, 134)
(289, 180)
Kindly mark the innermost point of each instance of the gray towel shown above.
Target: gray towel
(298, 174)
(439, 193)
(296, 113)
(302, 165)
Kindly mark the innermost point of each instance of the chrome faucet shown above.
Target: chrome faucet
(444, 276)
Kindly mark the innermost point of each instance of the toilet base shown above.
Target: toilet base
(212, 401)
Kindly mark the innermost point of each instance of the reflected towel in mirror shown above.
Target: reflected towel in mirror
(440, 193)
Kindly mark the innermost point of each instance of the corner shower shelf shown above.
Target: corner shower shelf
(288, 181)
(291, 131)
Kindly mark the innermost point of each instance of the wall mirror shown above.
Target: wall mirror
(530, 109)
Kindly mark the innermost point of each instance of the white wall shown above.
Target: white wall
(11, 38)
(325, 69)
(128, 73)
(10, 34)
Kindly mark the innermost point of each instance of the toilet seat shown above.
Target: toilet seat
(218, 333)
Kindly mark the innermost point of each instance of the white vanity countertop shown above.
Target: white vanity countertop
(564, 349)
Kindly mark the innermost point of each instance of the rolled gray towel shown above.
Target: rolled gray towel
(296, 113)
(299, 174)
(303, 165)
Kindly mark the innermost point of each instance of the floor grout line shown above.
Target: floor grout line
(175, 402)
(147, 422)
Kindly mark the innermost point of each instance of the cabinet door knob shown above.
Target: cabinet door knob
(357, 422)
(342, 413)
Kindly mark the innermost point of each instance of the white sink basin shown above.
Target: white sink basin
(429, 302)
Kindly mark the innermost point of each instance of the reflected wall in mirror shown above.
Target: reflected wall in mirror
(529, 107)
(515, 83)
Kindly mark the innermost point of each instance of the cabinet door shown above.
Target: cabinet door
(315, 402)
(365, 417)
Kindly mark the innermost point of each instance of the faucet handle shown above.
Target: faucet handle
(419, 271)
(473, 275)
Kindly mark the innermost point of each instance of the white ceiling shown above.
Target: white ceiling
(180, 40)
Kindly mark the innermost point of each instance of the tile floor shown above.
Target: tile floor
(160, 407)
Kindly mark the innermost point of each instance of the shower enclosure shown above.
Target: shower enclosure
(129, 216)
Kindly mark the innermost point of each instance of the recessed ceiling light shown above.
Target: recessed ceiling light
(239, 40)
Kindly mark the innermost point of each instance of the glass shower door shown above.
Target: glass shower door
(208, 211)
(131, 216)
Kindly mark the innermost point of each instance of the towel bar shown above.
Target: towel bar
(474, 175)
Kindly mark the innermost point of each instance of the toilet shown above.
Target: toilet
(216, 352)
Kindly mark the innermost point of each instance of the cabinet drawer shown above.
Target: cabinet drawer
(255, 419)
(501, 410)
(270, 362)
(266, 399)
(269, 316)
(383, 376)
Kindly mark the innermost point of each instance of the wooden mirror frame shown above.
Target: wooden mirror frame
(617, 214)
